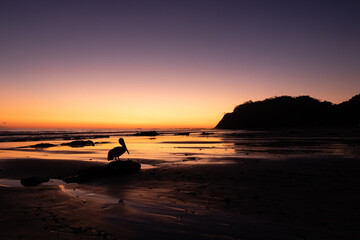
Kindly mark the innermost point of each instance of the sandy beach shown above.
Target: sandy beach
(288, 197)
(292, 199)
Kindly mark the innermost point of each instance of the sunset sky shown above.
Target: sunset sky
(169, 63)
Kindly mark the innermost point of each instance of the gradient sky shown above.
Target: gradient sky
(169, 63)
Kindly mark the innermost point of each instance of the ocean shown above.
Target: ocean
(180, 146)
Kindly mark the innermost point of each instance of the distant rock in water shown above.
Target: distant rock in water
(42, 145)
(116, 168)
(79, 143)
(206, 133)
(285, 111)
(147, 133)
(182, 133)
(33, 181)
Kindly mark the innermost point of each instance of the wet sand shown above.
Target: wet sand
(304, 198)
(55, 168)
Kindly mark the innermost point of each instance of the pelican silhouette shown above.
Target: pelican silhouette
(116, 152)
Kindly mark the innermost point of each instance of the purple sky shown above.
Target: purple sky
(229, 51)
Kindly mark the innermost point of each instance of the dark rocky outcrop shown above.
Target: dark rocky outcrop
(349, 112)
(42, 145)
(206, 133)
(182, 134)
(33, 181)
(285, 111)
(116, 168)
(147, 133)
(79, 143)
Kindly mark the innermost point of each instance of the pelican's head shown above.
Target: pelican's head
(122, 143)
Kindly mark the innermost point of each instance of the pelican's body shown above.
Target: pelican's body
(116, 152)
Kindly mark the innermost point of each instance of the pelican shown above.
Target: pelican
(116, 152)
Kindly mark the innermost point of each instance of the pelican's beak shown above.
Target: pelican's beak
(126, 148)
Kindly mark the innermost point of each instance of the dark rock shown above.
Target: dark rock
(116, 168)
(33, 181)
(285, 112)
(79, 143)
(43, 145)
(183, 133)
(147, 133)
(206, 133)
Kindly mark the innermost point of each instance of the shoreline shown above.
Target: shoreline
(55, 168)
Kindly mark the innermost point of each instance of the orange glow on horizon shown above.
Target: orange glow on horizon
(99, 126)
(159, 97)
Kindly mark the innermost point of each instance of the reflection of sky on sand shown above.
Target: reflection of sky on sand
(140, 211)
(153, 214)
(74, 191)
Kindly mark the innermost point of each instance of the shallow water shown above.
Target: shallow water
(169, 148)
